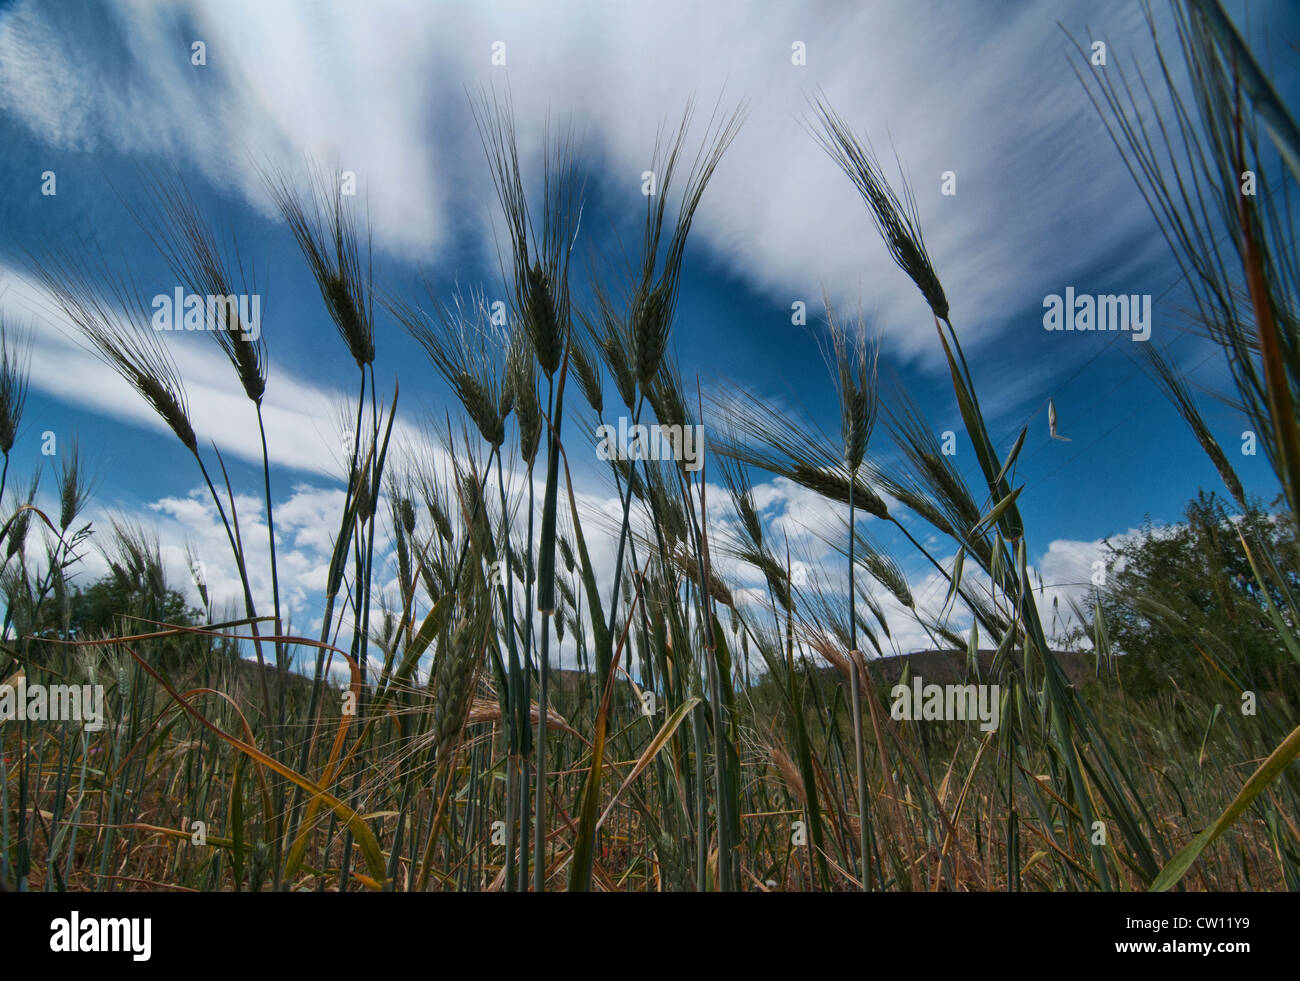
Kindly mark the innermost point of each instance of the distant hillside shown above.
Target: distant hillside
(944, 667)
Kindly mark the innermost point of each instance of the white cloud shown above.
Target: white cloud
(380, 88)
(300, 416)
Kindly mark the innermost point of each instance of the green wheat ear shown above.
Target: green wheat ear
(15, 358)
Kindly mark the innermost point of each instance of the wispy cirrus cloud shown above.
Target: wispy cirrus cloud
(381, 89)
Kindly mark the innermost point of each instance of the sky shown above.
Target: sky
(101, 93)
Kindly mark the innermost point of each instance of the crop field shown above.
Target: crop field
(556, 637)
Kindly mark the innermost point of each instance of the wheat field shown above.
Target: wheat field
(497, 713)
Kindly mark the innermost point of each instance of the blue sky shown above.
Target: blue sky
(98, 92)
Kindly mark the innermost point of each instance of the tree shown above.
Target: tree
(134, 591)
(1185, 595)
